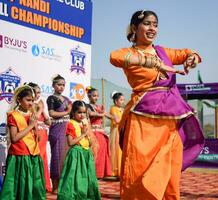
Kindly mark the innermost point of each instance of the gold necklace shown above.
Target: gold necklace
(144, 51)
(23, 113)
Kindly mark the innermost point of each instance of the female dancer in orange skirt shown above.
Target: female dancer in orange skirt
(160, 135)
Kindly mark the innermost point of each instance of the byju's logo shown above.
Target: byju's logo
(78, 60)
(13, 43)
(45, 52)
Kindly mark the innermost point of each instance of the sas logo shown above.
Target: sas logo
(45, 52)
(8, 82)
(77, 91)
(13, 43)
(46, 90)
(78, 60)
(35, 50)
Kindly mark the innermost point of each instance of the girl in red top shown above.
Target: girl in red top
(96, 114)
(43, 123)
(78, 177)
(24, 178)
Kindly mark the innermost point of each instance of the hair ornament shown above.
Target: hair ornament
(113, 93)
(132, 39)
(141, 16)
(88, 88)
(54, 76)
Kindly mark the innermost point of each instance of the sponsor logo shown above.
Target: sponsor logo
(13, 43)
(77, 91)
(196, 87)
(3, 133)
(9, 80)
(35, 50)
(3, 129)
(78, 60)
(45, 52)
(46, 90)
(205, 150)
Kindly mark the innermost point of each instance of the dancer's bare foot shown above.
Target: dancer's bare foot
(55, 186)
(55, 191)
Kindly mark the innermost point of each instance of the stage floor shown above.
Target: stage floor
(196, 184)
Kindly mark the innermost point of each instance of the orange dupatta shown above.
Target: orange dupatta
(29, 139)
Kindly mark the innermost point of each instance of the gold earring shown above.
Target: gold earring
(132, 39)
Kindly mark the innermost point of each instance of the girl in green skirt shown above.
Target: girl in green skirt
(78, 179)
(24, 178)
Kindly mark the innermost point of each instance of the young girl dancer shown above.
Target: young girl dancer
(96, 113)
(78, 178)
(43, 122)
(59, 108)
(24, 177)
(116, 111)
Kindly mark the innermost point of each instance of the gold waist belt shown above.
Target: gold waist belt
(61, 120)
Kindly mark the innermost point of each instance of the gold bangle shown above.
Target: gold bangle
(145, 64)
(159, 67)
(158, 64)
(152, 62)
(148, 62)
(127, 59)
(140, 59)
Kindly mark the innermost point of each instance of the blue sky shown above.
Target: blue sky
(182, 24)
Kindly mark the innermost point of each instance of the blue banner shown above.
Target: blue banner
(67, 18)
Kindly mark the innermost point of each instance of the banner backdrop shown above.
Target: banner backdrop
(199, 90)
(39, 39)
(209, 155)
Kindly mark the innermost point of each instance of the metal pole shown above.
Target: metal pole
(200, 112)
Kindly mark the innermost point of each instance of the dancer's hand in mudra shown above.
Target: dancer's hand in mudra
(191, 62)
(165, 68)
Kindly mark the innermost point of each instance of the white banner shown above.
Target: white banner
(29, 54)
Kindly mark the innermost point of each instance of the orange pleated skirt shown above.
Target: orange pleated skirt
(151, 160)
(115, 152)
